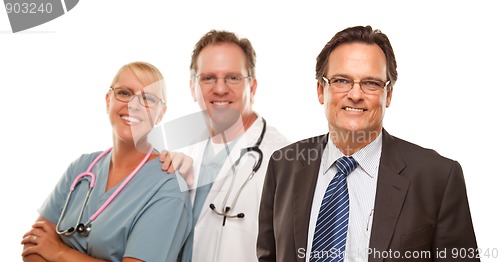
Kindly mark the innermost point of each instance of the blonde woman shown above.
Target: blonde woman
(131, 211)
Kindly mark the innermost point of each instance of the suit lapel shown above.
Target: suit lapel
(392, 188)
(303, 194)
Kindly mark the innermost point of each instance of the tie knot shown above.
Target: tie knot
(346, 165)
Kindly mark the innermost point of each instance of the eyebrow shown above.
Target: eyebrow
(142, 92)
(226, 74)
(124, 87)
(362, 79)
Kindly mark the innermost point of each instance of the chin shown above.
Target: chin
(351, 126)
(222, 120)
(131, 137)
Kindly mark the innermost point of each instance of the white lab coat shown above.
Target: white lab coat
(236, 241)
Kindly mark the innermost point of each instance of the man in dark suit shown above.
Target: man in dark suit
(358, 193)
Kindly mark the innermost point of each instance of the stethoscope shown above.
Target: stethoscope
(81, 228)
(224, 212)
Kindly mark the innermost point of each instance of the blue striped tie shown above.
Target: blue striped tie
(331, 228)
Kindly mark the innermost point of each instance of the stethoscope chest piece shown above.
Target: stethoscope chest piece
(83, 230)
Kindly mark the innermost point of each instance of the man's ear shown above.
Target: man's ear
(321, 92)
(193, 91)
(388, 97)
(253, 89)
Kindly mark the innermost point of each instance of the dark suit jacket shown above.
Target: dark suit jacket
(420, 205)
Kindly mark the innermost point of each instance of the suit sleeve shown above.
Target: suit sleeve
(266, 247)
(454, 232)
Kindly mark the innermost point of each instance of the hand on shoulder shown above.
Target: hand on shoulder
(181, 162)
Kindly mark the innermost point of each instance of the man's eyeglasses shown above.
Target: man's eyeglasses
(368, 86)
(145, 99)
(232, 80)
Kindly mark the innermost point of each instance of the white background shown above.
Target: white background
(54, 78)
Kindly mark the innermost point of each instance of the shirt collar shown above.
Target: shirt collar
(368, 157)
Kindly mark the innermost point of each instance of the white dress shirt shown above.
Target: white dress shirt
(362, 185)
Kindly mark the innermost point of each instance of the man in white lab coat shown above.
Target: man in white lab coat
(225, 191)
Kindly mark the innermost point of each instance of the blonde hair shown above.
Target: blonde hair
(146, 73)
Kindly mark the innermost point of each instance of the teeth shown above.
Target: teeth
(131, 119)
(354, 109)
(220, 103)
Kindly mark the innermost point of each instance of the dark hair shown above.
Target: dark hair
(358, 34)
(217, 37)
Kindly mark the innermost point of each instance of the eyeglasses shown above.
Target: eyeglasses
(145, 99)
(232, 80)
(368, 86)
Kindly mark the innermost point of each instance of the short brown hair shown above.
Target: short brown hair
(359, 34)
(217, 37)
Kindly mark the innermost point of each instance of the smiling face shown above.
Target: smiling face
(224, 102)
(131, 121)
(354, 111)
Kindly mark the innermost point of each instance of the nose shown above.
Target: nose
(220, 87)
(355, 94)
(134, 103)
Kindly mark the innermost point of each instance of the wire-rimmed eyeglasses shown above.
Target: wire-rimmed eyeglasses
(145, 99)
(368, 86)
(209, 80)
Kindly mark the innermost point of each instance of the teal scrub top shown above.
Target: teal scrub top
(150, 219)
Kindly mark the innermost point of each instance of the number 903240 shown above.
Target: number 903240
(28, 8)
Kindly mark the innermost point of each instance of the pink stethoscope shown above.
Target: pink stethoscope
(84, 229)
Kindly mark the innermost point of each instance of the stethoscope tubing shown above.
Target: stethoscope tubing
(82, 175)
(92, 182)
(122, 185)
(76, 181)
(226, 210)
